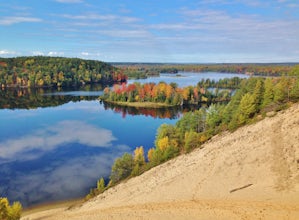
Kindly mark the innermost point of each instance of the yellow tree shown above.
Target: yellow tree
(139, 161)
(150, 154)
(139, 156)
(163, 143)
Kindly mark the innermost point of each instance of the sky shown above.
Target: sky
(175, 31)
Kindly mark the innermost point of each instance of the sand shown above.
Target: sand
(252, 173)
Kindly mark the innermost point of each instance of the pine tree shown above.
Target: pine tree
(101, 185)
(246, 108)
(269, 92)
(258, 94)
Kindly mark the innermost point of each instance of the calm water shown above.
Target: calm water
(54, 145)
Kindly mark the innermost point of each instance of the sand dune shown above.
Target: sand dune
(252, 173)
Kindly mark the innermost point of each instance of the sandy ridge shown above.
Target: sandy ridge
(252, 173)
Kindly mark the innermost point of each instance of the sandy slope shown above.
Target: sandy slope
(252, 173)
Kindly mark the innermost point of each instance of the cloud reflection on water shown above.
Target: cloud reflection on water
(59, 162)
(60, 180)
(52, 137)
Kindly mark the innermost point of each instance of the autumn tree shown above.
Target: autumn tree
(139, 161)
(8, 212)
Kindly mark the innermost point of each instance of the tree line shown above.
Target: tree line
(146, 69)
(42, 71)
(255, 97)
(31, 98)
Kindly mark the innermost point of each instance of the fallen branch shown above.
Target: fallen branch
(243, 187)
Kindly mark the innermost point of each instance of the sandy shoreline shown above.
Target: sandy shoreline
(252, 173)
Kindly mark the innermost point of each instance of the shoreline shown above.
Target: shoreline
(52, 205)
(140, 104)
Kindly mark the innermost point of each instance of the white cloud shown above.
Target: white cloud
(85, 54)
(52, 137)
(55, 53)
(37, 53)
(18, 19)
(102, 17)
(7, 52)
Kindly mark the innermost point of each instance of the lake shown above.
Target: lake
(55, 144)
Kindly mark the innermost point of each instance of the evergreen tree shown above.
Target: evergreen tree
(269, 92)
(101, 185)
(246, 108)
(258, 94)
(122, 168)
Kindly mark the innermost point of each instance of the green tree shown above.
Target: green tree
(294, 93)
(258, 94)
(101, 185)
(246, 108)
(191, 141)
(269, 92)
(214, 116)
(122, 168)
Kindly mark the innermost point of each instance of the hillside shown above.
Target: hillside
(252, 173)
(40, 71)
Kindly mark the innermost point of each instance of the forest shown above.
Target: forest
(206, 91)
(142, 70)
(254, 98)
(42, 71)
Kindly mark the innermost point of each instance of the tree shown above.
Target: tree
(163, 143)
(246, 108)
(258, 94)
(8, 212)
(14, 212)
(139, 161)
(213, 116)
(150, 154)
(122, 168)
(269, 92)
(101, 185)
(191, 141)
(3, 208)
(139, 156)
(294, 93)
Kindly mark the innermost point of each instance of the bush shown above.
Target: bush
(8, 212)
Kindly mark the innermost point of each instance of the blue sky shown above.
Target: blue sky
(152, 30)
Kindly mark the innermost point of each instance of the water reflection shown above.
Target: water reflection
(30, 98)
(60, 177)
(49, 138)
(55, 163)
(166, 112)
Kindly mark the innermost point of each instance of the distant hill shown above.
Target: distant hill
(40, 71)
(252, 173)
